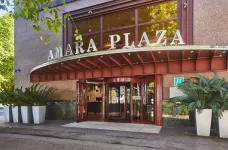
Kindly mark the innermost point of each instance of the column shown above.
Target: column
(158, 100)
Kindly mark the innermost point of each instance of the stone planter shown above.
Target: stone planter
(8, 113)
(16, 114)
(223, 125)
(39, 113)
(26, 113)
(203, 122)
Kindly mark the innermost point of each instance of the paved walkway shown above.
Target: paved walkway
(131, 127)
(172, 138)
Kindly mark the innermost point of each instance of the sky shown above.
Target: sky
(2, 12)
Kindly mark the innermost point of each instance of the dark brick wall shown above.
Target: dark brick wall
(61, 110)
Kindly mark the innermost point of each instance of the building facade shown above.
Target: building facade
(118, 60)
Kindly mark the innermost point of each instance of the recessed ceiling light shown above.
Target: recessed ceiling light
(161, 60)
(79, 59)
(220, 55)
(159, 52)
(129, 53)
(224, 52)
(101, 56)
(191, 51)
(189, 58)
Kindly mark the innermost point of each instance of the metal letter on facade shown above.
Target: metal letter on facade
(163, 32)
(126, 35)
(112, 40)
(69, 50)
(58, 52)
(91, 45)
(50, 56)
(177, 37)
(78, 47)
(144, 39)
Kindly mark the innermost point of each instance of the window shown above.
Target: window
(118, 20)
(147, 19)
(158, 12)
(88, 25)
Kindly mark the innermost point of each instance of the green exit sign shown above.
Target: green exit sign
(178, 81)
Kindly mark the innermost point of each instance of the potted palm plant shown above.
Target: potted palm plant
(222, 112)
(16, 107)
(200, 95)
(6, 96)
(26, 104)
(39, 95)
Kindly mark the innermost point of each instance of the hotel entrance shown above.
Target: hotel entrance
(121, 100)
(118, 102)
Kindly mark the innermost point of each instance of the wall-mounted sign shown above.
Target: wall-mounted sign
(178, 81)
(160, 34)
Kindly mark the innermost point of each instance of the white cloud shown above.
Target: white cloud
(2, 12)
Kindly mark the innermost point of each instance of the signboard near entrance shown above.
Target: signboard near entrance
(178, 81)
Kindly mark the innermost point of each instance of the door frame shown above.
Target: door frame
(81, 100)
(142, 92)
(107, 90)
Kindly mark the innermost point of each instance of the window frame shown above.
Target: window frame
(184, 18)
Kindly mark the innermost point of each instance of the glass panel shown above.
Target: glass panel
(88, 25)
(148, 102)
(136, 99)
(121, 43)
(171, 28)
(119, 19)
(158, 12)
(128, 102)
(114, 102)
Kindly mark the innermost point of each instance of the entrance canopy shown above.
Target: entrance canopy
(133, 62)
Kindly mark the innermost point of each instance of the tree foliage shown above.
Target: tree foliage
(30, 10)
(203, 93)
(159, 12)
(6, 48)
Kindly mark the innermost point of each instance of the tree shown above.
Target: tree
(29, 10)
(6, 48)
(160, 12)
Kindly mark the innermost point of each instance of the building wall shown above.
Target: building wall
(168, 80)
(66, 90)
(30, 51)
(209, 28)
(210, 22)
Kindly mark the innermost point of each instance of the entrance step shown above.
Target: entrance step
(131, 127)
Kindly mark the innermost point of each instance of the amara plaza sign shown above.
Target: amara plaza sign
(160, 34)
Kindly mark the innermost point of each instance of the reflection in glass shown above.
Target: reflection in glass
(117, 20)
(136, 99)
(158, 12)
(121, 43)
(171, 28)
(88, 25)
(148, 101)
(116, 101)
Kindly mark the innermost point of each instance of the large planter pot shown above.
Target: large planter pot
(39, 113)
(203, 122)
(26, 113)
(8, 113)
(223, 125)
(16, 114)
